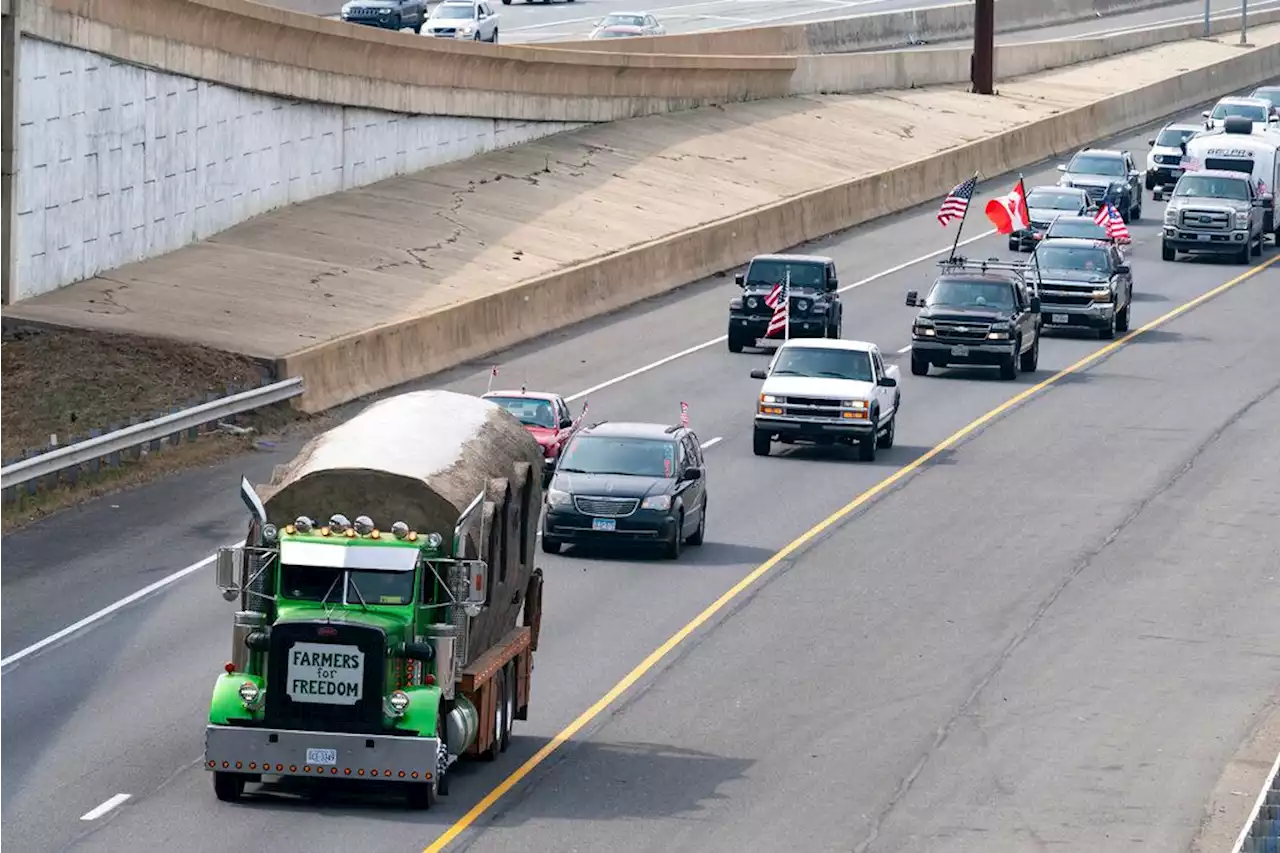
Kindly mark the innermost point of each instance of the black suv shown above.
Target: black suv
(977, 313)
(1106, 175)
(815, 309)
(632, 482)
(1084, 283)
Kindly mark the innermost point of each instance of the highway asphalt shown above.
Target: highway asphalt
(1057, 632)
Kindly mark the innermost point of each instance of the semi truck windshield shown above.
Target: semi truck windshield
(314, 583)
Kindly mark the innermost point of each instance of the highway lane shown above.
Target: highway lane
(91, 719)
(1057, 636)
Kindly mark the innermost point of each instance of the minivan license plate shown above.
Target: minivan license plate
(326, 757)
(959, 350)
(1060, 319)
(604, 524)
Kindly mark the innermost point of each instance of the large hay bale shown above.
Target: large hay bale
(420, 458)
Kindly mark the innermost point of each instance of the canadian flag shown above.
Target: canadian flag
(1009, 213)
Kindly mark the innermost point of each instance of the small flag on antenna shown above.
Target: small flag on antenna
(684, 414)
(492, 373)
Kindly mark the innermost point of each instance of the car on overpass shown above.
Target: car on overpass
(627, 25)
(386, 14)
(469, 20)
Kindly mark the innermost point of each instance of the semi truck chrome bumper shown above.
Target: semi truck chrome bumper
(286, 752)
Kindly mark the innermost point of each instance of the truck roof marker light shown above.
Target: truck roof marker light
(324, 531)
(400, 530)
(338, 521)
(347, 772)
(413, 536)
(364, 525)
(414, 774)
(290, 529)
(303, 524)
(349, 533)
(229, 667)
(375, 533)
(428, 679)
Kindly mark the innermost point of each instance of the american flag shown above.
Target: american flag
(1109, 218)
(956, 203)
(779, 300)
(684, 414)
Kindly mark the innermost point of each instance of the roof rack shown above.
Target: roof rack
(982, 266)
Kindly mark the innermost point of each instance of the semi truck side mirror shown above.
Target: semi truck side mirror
(227, 569)
(477, 572)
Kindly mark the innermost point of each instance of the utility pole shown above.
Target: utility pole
(984, 47)
(1244, 22)
(10, 71)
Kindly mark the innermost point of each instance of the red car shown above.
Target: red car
(545, 416)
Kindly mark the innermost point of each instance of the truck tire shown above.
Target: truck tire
(885, 440)
(735, 343)
(700, 535)
(1109, 331)
(499, 686)
(761, 443)
(509, 702)
(1031, 358)
(1009, 365)
(1167, 253)
(1122, 318)
(1257, 248)
(228, 786)
(919, 366)
(420, 796)
(550, 546)
(1243, 256)
(442, 732)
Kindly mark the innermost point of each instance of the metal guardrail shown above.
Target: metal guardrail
(151, 432)
(1261, 833)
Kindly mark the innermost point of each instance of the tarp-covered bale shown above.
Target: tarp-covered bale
(421, 458)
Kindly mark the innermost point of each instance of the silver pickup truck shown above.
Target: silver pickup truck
(1213, 212)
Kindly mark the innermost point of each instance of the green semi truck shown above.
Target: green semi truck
(389, 608)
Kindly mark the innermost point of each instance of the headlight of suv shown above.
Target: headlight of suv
(770, 399)
(752, 301)
(923, 329)
(658, 502)
(998, 333)
(466, 30)
(802, 305)
(1170, 215)
(1242, 220)
(557, 498)
(853, 404)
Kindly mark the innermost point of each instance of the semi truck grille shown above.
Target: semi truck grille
(602, 507)
(947, 330)
(1205, 220)
(325, 676)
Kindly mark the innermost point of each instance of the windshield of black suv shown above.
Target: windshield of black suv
(1081, 227)
(827, 363)
(1097, 164)
(637, 457)
(319, 583)
(529, 411)
(1173, 138)
(1073, 258)
(453, 12)
(775, 272)
(968, 293)
(1054, 200)
(1210, 186)
(1252, 112)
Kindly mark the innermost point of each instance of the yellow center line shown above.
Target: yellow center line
(490, 799)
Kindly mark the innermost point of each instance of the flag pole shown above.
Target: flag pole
(956, 244)
(1034, 259)
(492, 373)
(786, 303)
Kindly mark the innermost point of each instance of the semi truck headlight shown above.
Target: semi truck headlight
(555, 497)
(658, 502)
(269, 533)
(249, 693)
(399, 700)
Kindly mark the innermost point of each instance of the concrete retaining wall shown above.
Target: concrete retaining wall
(850, 73)
(342, 370)
(117, 163)
(868, 32)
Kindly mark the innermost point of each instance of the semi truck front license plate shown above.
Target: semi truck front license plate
(325, 757)
(604, 524)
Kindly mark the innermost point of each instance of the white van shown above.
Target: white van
(1241, 146)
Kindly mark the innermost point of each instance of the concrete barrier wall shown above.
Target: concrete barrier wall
(260, 48)
(868, 32)
(850, 73)
(342, 370)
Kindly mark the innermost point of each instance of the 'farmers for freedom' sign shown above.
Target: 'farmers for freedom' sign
(324, 673)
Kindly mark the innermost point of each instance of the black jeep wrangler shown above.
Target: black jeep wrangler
(814, 309)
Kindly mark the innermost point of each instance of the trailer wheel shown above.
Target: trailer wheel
(498, 685)
(509, 705)
(228, 786)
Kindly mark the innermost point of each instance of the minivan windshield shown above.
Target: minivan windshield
(1210, 186)
(828, 363)
(606, 454)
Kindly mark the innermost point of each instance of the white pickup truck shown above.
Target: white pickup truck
(824, 391)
